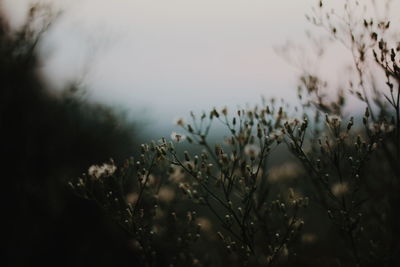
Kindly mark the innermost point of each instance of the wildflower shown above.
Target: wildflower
(204, 223)
(252, 150)
(166, 194)
(177, 137)
(105, 170)
(277, 135)
(296, 223)
(386, 128)
(333, 121)
(186, 189)
(179, 122)
(160, 142)
(382, 127)
(343, 136)
(373, 127)
(224, 111)
(284, 172)
(177, 174)
(295, 196)
(149, 179)
(284, 253)
(339, 189)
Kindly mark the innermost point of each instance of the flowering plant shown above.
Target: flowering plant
(235, 195)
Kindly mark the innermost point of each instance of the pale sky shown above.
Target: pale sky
(164, 58)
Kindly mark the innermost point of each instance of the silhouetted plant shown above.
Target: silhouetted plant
(334, 202)
(349, 174)
(45, 138)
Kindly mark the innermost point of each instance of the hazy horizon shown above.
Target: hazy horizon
(166, 58)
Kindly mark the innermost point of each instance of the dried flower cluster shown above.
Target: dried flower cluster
(227, 195)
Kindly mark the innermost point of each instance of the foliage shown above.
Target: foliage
(46, 137)
(332, 201)
(343, 186)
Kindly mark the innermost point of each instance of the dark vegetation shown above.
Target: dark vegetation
(333, 202)
(46, 137)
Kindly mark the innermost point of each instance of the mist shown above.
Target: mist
(159, 60)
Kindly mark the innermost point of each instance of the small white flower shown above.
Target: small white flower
(177, 175)
(277, 135)
(252, 150)
(382, 127)
(334, 121)
(224, 111)
(373, 127)
(339, 189)
(179, 122)
(105, 170)
(386, 128)
(177, 137)
(166, 194)
(205, 224)
(93, 170)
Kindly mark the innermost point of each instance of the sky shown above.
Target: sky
(160, 59)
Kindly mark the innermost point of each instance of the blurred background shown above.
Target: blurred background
(158, 60)
(106, 76)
